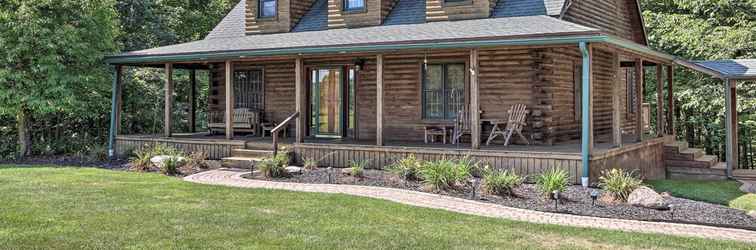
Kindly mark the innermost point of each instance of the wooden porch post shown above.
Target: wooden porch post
(671, 100)
(639, 74)
(616, 106)
(193, 101)
(115, 111)
(587, 111)
(731, 125)
(299, 94)
(229, 116)
(379, 101)
(659, 101)
(474, 100)
(168, 100)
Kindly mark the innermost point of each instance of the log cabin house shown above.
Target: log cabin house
(362, 79)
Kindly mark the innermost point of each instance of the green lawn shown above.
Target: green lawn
(720, 192)
(73, 208)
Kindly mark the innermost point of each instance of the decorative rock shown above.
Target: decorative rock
(646, 197)
(293, 170)
(666, 195)
(211, 164)
(158, 160)
(752, 213)
(346, 171)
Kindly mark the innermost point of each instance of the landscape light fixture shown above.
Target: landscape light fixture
(594, 196)
(556, 200)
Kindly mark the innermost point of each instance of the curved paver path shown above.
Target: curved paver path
(233, 178)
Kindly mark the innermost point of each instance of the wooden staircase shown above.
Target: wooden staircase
(692, 163)
(246, 158)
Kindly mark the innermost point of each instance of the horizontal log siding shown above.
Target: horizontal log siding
(437, 10)
(558, 97)
(216, 149)
(524, 163)
(617, 17)
(603, 84)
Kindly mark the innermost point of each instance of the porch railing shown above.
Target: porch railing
(282, 125)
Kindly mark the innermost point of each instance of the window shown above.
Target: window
(577, 78)
(248, 89)
(266, 8)
(443, 91)
(354, 5)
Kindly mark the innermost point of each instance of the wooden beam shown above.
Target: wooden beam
(731, 125)
(671, 100)
(229, 111)
(659, 100)
(168, 100)
(299, 93)
(379, 101)
(616, 105)
(474, 100)
(639, 74)
(193, 101)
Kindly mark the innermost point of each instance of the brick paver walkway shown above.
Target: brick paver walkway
(227, 177)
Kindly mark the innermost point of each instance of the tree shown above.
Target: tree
(51, 58)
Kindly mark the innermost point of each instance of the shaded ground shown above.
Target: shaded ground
(727, 193)
(65, 208)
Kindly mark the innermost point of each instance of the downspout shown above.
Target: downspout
(113, 107)
(585, 105)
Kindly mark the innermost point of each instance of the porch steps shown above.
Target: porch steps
(246, 158)
(683, 162)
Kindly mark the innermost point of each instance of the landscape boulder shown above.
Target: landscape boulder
(648, 198)
(158, 160)
(293, 170)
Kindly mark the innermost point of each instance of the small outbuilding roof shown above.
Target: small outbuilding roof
(734, 69)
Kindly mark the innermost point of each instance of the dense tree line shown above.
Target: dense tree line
(55, 88)
(704, 30)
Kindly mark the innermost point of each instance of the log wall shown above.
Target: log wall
(617, 17)
(374, 14)
(439, 10)
(288, 14)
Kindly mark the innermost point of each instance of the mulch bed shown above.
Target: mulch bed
(576, 200)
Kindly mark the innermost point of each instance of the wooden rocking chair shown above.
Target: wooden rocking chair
(461, 125)
(517, 115)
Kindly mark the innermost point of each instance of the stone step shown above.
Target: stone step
(240, 162)
(251, 153)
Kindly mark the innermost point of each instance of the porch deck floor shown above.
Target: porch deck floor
(569, 147)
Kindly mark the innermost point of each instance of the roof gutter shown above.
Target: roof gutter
(211, 56)
(229, 55)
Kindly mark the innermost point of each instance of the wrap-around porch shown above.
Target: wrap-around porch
(583, 102)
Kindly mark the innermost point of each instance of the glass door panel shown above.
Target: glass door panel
(327, 102)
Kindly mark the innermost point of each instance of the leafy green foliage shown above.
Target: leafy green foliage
(274, 167)
(501, 182)
(357, 168)
(170, 166)
(619, 183)
(141, 161)
(553, 179)
(444, 174)
(408, 168)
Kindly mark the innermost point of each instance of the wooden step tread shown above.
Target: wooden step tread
(720, 165)
(708, 158)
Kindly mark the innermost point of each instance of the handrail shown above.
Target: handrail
(278, 128)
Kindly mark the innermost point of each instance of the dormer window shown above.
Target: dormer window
(266, 8)
(354, 5)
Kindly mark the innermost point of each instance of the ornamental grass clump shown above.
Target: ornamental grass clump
(274, 167)
(407, 168)
(554, 179)
(500, 182)
(357, 168)
(619, 183)
(444, 174)
(170, 166)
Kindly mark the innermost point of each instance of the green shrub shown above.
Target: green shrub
(170, 166)
(619, 183)
(310, 163)
(501, 182)
(357, 168)
(408, 168)
(274, 167)
(554, 179)
(443, 174)
(141, 160)
(196, 160)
